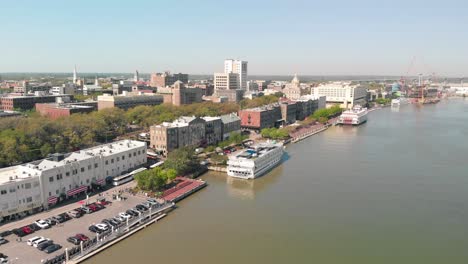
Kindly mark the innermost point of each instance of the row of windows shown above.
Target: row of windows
(22, 186)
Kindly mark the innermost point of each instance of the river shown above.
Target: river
(394, 190)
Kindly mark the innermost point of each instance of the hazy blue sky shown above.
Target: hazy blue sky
(276, 37)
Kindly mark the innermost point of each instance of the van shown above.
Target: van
(38, 242)
(32, 240)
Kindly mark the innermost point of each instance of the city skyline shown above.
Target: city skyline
(362, 38)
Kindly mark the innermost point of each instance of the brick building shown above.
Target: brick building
(167, 79)
(54, 110)
(29, 102)
(261, 117)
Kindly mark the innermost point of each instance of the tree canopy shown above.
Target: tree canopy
(154, 179)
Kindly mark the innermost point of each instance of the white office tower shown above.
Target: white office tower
(74, 75)
(136, 76)
(96, 81)
(239, 67)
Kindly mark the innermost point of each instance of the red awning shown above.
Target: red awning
(101, 181)
(77, 190)
(52, 200)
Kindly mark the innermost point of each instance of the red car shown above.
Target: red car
(104, 202)
(27, 230)
(82, 237)
(92, 207)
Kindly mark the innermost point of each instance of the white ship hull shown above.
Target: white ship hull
(254, 168)
(353, 117)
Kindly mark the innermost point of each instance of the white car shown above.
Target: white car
(42, 224)
(125, 215)
(102, 227)
(32, 240)
(120, 218)
(40, 241)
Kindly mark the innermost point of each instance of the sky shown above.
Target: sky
(276, 37)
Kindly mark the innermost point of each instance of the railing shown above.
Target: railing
(111, 234)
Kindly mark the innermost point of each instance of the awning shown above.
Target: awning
(52, 200)
(101, 181)
(77, 190)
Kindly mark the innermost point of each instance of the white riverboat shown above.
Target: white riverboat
(255, 161)
(399, 102)
(355, 116)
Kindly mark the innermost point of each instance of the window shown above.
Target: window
(123, 157)
(57, 192)
(89, 167)
(134, 154)
(27, 185)
(29, 199)
(95, 165)
(129, 155)
(3, 192)
(59, 176)
(67, 173)
(112, 160)
(87, 180)
(51, 179)
(12, 190)
(107, 162)
(50, 193)
(82, 169)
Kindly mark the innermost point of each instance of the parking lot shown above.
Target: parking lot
(19, 252)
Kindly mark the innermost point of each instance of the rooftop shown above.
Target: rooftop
(34, 168)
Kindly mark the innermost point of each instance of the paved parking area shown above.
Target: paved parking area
(20, 252)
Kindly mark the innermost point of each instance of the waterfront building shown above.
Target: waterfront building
(128, 100)
(288, 111)
(183, 132)
(342, 93)
(231, 123)
(56, 110)
(213, 130)
(255, 161)
(167, 79)
(239, 67)
(308, 104)
(28, 102)
(40, 184)
(261, 117)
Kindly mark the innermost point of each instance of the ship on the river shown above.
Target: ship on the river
(355, 116)
(255, 161)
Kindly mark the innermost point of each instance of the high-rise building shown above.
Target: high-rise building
(136, 76)
(75, 78)
(226, 81)
(239, 67)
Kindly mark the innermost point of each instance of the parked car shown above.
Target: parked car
(65, 216)
(35, 227)
(32, 239)
(141, 207)
(27, 230)
(74, 214)
(58, 219)
(3, 259)
(87, 210)
(51, 221)
(82, 237)
(42, 224)
(102, 226)
(120, 218)
(40, 241)
(132, 212)
(125, 215)
(3, 241)
(44, 245)
(74, 240)
(152, 201)
(80, 210)
(6, 233)
(19, 232)
(94, 229)
(99, 206)
(52, 248)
